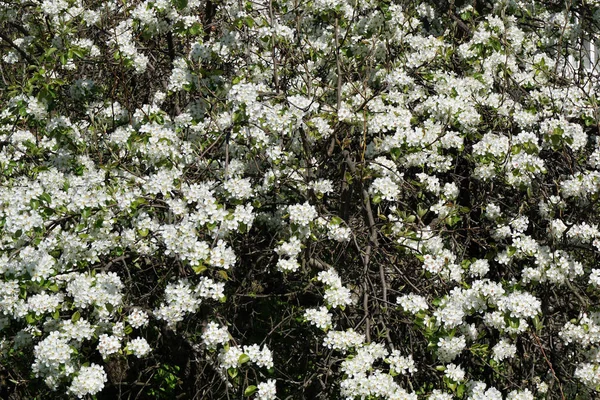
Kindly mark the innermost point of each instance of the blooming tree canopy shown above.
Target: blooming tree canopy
(328, 199)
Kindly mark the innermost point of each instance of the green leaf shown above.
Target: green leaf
(199, 268)
(537, 324)
(180, 4)
(143, 232)
(348, 178)
(480, 350)
(223, 274)
(460, 391)
(75, 317)
(233, 372)
(195, 29)
(395, 153)
(50, 51)
(45, 197)
(34, 204)
(244, 358)
(336, 220)
(250, 390)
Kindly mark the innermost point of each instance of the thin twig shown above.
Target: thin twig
(537, 339)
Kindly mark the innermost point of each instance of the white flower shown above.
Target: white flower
(321, 317)
(108, 345)
(51, 354)
(595, 277)
(302, 214)
(478, 392)
(118, 329)
(322, 186)
(386, 188)
(261, 357)
(542, 387)
(287, 265)
(229, 358)
(492, 211)
(329, 277)
(338, 232)
(215, 335)
(400, 364)
(266, 390)
(455, 372)
(90, 380)
(588, 374)
(438, 395)
(451, 191)
(139, 347)
(290, 248)
(557, 228)
(239, 188)
(44, 303)
(520, 305)
(138, 318)
(343, 340)
(520, 395)
(338, 296)
(222, 256)
(412, 303)
(180, 299)
(449, 348)
(479, 268)
(504, 349)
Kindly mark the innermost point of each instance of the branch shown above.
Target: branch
(537, 339)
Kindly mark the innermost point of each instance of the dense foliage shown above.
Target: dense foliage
(323, 199)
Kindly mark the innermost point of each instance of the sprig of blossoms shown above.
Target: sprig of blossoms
(267, 390)
(320, 317)
(215, 335)
(139, 347)
(89, 381)
(412, 303)
(235, 356)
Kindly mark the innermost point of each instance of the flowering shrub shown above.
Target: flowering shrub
(280, 199)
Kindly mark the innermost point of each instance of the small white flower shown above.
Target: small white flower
(138, 318)
(479, 268)
(108, 345)
(455, 372)
(412, 303)
(139, 347)
(266, 390)
(215, 335)
(504, 349)
(321, 317)
(90, 380)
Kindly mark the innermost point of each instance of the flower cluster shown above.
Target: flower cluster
(235, 356)
(336, 295)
